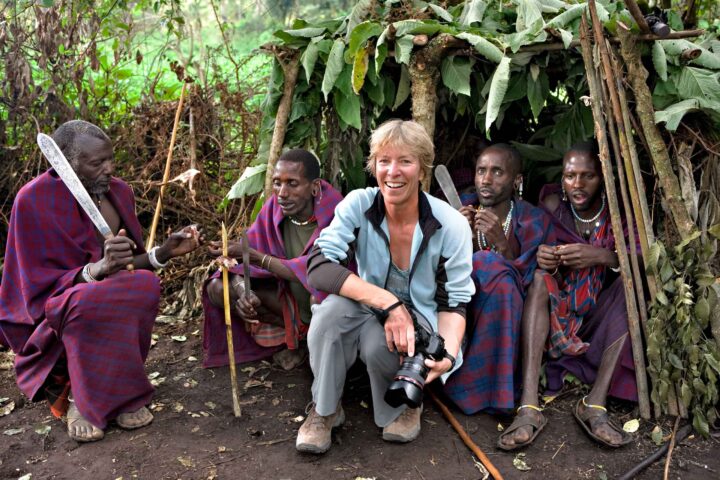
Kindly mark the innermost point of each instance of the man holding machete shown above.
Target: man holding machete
(275, 313)
(78, 321)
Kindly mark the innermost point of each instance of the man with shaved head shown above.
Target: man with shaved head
(506, 234)
(575, 308)
(78, 321)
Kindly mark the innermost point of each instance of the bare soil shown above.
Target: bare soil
(195, 435)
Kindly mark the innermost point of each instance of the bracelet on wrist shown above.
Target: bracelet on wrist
(452, 361)
(86, 275)
(152, 258)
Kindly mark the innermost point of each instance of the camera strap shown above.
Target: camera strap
(384, 313)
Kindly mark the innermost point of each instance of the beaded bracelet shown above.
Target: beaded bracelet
(152, 258)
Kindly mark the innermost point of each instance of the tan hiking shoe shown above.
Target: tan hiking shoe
(315, 434)
(405, 428)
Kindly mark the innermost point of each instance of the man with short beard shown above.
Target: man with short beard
(78, 321)
(273, 318)
(575, 308)
(506, 234)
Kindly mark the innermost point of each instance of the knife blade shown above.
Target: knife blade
(447, 186)
(68, 176)
(246, 260)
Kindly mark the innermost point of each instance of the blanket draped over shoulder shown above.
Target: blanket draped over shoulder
(101, 330)
(587, 310)
(265, 235)
(486, 379)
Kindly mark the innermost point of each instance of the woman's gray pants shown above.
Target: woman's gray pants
(340, 329)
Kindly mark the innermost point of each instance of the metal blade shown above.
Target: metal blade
(246, 261)
(66, 173)
(448, 187)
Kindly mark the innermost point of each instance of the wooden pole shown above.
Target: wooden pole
(228, 327)
(637, 74)
(601, 135)
(166, 174)
(637, 14)
(465, 437)
(291, 67)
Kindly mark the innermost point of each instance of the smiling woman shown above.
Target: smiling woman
(413, 254)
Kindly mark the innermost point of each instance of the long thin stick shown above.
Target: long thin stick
(228, 327)
(670, 449)
(601, 135)
(166, 174)
(465, 437)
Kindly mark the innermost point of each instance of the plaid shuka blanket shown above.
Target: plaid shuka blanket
(486, 378)
(102, 329)
(265, 235)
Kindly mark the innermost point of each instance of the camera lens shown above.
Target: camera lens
(407, 386)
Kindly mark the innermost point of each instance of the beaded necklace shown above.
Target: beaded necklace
(482, 241)
(579, 221)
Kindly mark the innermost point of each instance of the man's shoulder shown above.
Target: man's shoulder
(41, 185)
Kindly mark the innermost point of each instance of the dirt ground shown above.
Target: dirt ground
(195, 435)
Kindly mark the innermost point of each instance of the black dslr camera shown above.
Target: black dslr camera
(409, 381)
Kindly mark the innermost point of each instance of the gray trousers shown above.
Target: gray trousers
(340, 329)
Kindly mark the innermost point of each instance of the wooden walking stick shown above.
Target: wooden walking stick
(166, 174)
(228, 327)
(465, 437)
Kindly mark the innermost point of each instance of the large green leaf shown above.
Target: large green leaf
(472, 12)
(441, 12)
(674, 113)
(403, 49)
(483, 46)
(403, 88)
(455, 72)
(360, 68)
(309, 58)
(537, 91)
(306, 32)
(567, 16)
(659, 60)
(528, 15)
(348, 108)
(537, 153)
(698, 83)
(498, 86)
(334, 66)
(250, 182)
(381, 52)
(359, 37)
(359, 12)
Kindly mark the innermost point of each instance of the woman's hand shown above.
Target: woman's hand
(400, 331)
(437, 368)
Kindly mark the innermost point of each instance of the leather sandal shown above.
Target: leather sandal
(599, 412)
(520, 422)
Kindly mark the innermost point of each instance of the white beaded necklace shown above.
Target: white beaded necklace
(482, 241)
(588, 221)
(299, 223)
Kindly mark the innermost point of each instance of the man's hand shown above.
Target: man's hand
(234, 251)
(117, 255)
(546, 258)
(180, 243)
(468, 212)
(580, 255)
(437, 368)
(400, 331)
(246, 306)
(489, 224)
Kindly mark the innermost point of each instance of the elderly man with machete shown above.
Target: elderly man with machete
(77, 319)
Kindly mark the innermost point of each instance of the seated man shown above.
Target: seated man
(506, 234)
(276, 313)
(412, 253)
(77, 320)
(576, 306)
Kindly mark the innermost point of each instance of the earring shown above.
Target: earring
(564, 195)
(602, 195)
(520, 190)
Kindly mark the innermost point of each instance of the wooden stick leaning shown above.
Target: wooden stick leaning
(228, 327)
(166, 174)
(465, 437)
(601, 135)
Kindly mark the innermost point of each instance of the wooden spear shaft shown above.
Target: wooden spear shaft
(600, 133)
(228, 327)
(166, 174)
(465, 437)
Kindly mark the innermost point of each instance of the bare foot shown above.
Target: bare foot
(522, 435)
(79, 429)
(288, 359)
(136, 419)
(601, 427)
